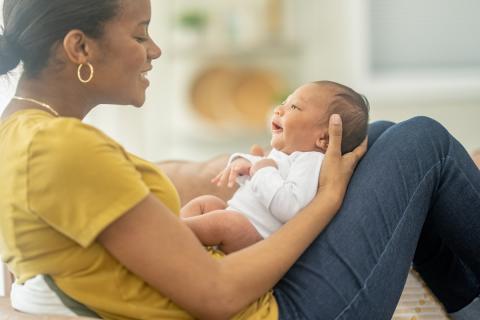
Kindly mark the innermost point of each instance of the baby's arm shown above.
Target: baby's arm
(238, 165)
(229, 230)
(263, 163)
(286, 196)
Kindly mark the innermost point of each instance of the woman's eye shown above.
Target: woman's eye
(293, 107)
(141, 39)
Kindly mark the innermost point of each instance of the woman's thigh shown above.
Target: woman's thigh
(357, 267)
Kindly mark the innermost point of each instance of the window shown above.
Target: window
(418, 47)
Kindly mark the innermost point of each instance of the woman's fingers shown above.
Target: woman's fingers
(360, 150)
(335, 135)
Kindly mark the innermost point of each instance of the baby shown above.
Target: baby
(274, 188)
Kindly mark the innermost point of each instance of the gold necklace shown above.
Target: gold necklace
(40, 103)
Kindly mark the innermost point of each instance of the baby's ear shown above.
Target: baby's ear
(322, 143)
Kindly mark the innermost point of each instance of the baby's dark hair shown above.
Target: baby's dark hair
(353, 108)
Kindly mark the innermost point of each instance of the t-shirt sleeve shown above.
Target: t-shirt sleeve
(79, 180)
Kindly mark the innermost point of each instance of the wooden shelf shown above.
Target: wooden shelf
(232, 51)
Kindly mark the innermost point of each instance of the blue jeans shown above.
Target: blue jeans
(414, 197)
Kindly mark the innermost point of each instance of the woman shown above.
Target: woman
(102, 225)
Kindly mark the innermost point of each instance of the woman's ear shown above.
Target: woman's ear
(77, 47)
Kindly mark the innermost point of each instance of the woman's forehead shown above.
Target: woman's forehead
(134, 11)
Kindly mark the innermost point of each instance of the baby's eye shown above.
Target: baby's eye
(293, 107)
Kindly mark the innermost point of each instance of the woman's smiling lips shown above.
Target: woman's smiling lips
(143, 75)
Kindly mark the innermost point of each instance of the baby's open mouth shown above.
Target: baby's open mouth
(276, 128)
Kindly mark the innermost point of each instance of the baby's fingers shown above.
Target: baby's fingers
(224, 178)
(216, 178)
(233, 176)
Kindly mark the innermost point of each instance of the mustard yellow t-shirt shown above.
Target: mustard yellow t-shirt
(62, 183)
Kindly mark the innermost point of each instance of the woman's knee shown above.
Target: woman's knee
(376, 129)
(380, 125)
(416, 140)
(423, 128)
(416, 124)
(425, 124)
(422, 135)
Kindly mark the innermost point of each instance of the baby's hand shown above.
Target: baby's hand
(228, 176)
(266, 162)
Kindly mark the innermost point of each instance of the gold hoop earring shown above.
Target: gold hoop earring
(79, 72)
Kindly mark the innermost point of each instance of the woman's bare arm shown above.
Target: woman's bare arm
(152, 243)
(192, 179)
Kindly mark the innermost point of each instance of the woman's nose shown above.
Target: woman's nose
(154, 52)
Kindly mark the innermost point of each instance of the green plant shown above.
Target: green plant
(193, 19)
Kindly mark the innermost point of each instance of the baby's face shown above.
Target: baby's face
(300, 121)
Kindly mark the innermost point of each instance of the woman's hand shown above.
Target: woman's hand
(337, 169)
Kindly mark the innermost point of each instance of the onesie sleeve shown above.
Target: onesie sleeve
(241, 180)
(285, 196)
(79, 180)
(249, 157)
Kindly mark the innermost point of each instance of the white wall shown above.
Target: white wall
(327, 34)
(328, 45)
(333, 49)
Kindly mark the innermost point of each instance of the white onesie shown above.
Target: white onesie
(273, 196)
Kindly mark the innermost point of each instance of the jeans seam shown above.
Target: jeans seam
(387, 245)
(464, 176)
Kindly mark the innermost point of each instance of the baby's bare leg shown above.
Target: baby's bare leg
(229, 230)
(201, 205)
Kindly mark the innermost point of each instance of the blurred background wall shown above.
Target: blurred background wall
(226, 63)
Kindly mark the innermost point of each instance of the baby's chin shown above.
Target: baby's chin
(281, 148)
(274, 144)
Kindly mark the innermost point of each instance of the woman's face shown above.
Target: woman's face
(126, 54)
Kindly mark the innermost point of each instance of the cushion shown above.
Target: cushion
(7, 313)
(417, 302)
